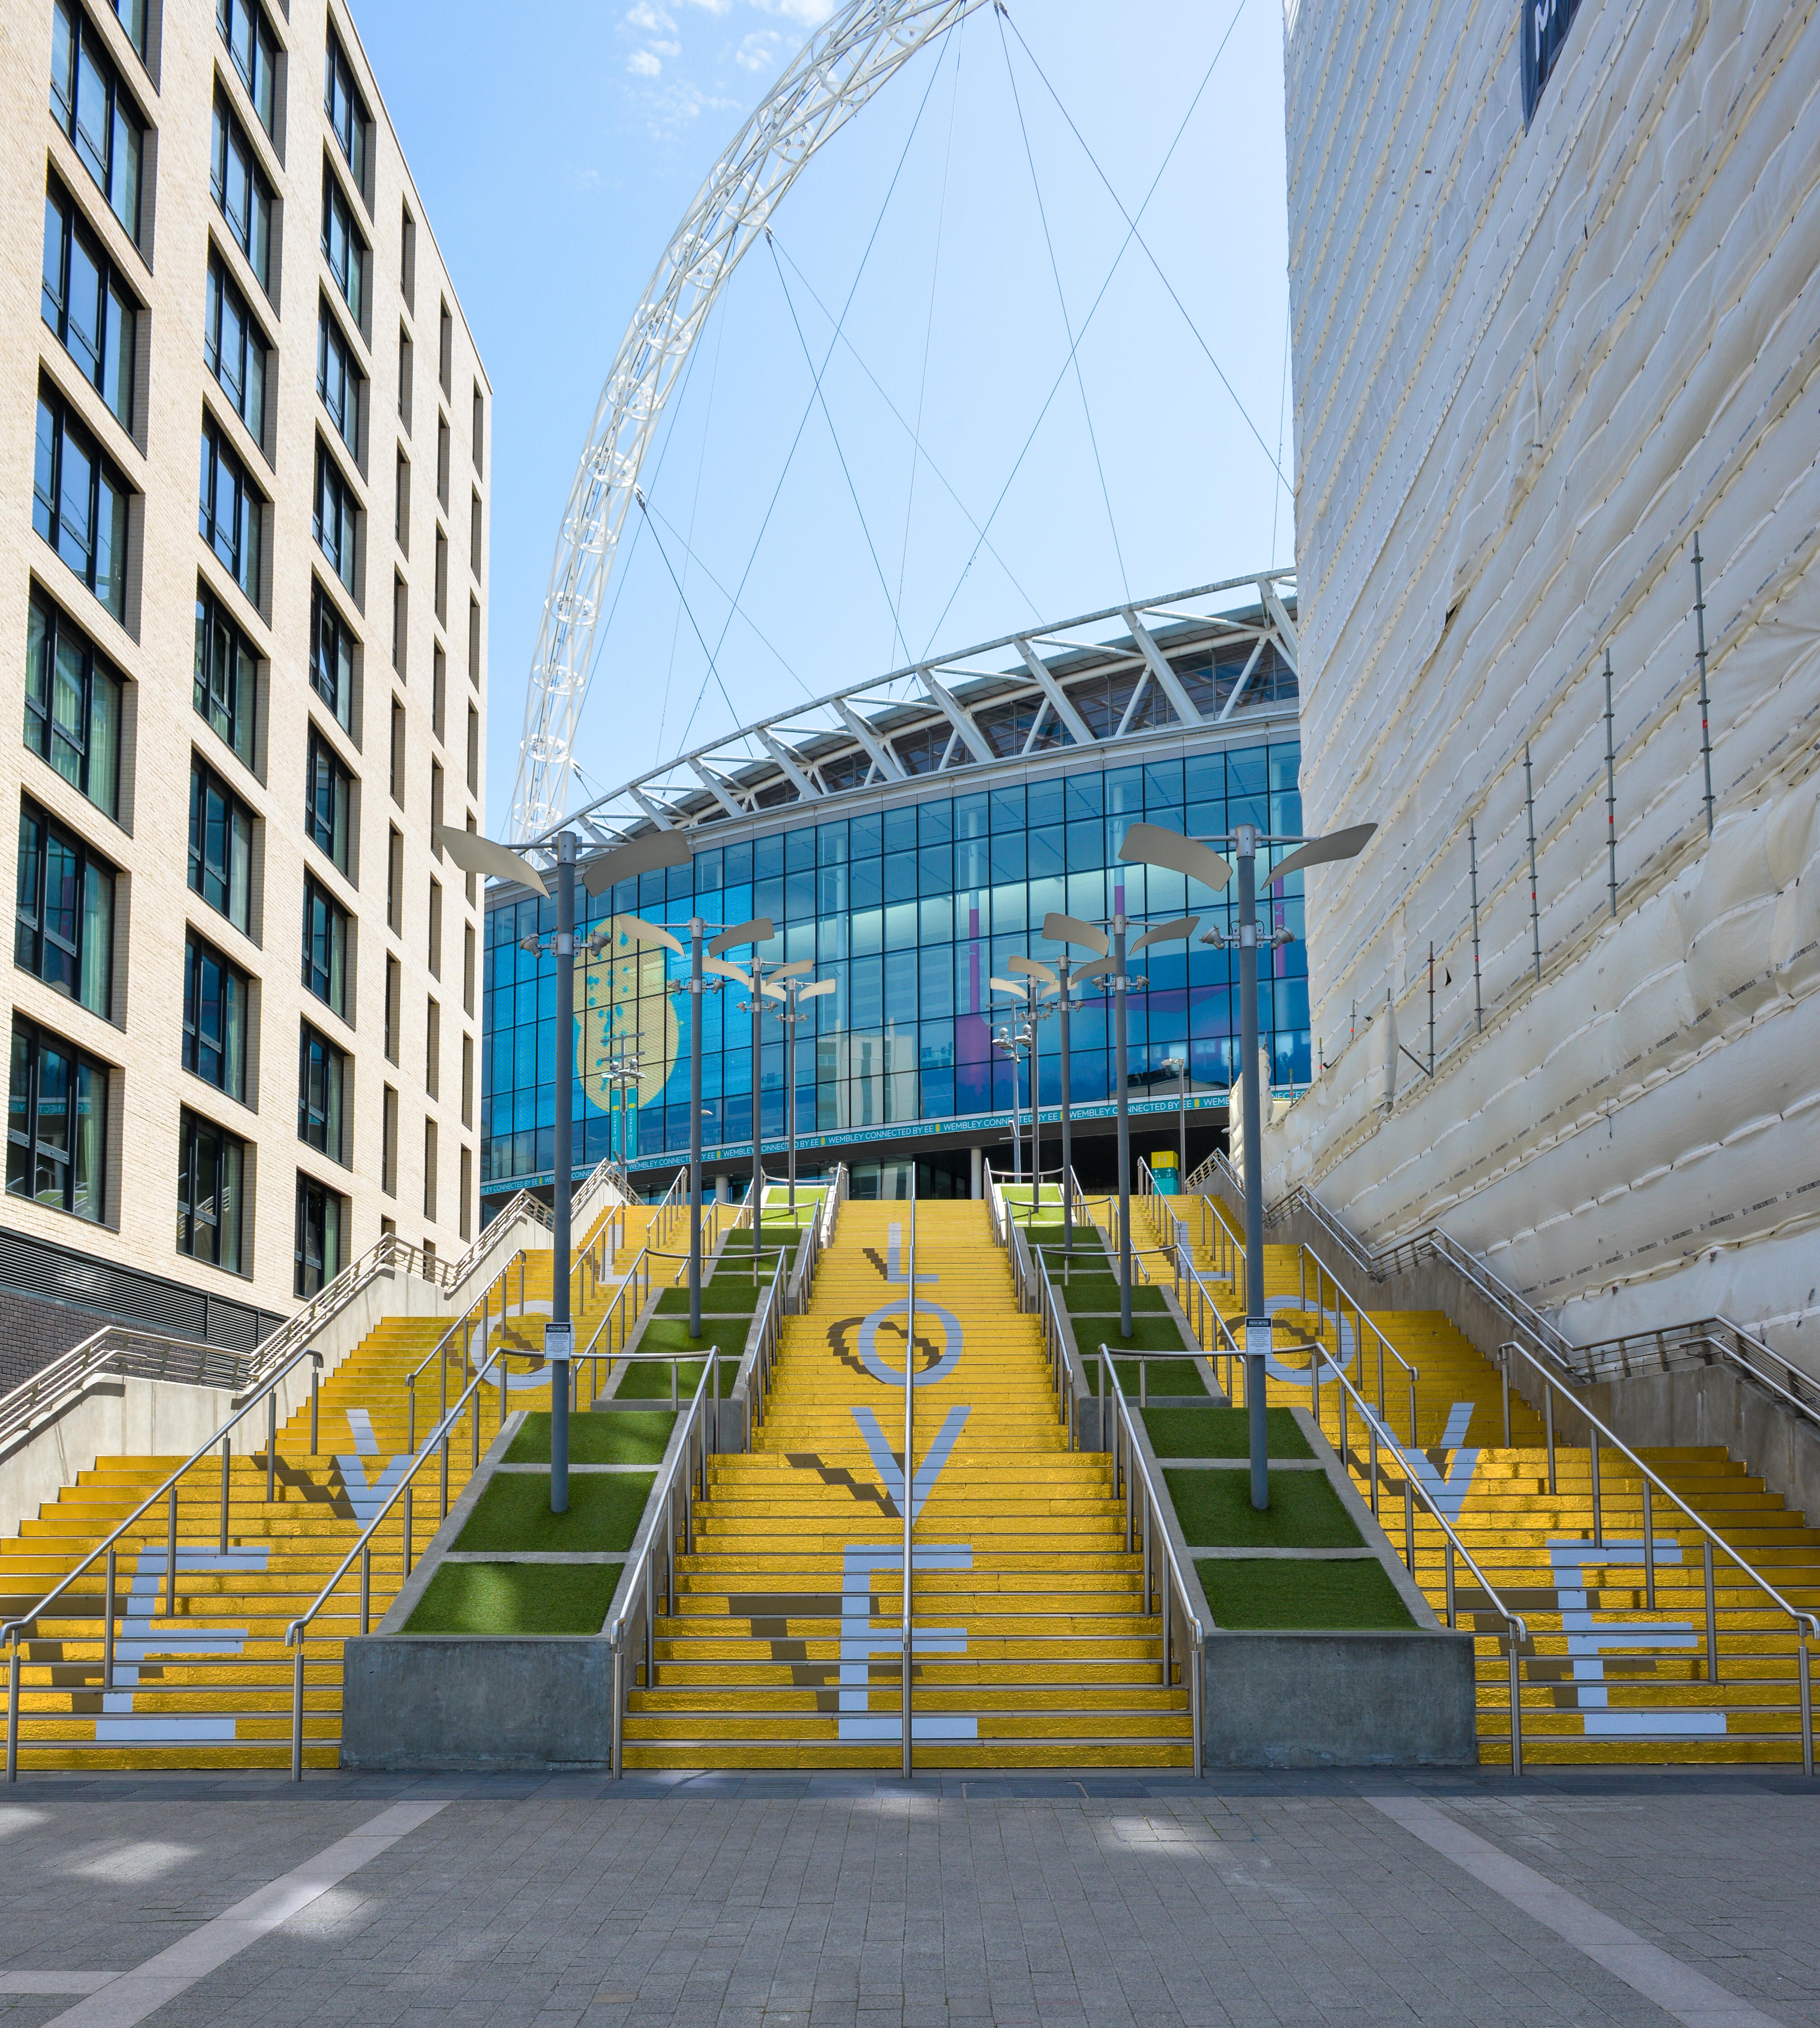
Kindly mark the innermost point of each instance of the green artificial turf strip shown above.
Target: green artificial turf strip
(668, 1332)
(1215, 1509)
(516, 1598)
(1148, 1333)
(513, 1512)
(1221, 1433)
(1163, 1376)
(640, 1436)
(648, 1381)
(1346, 1595)
(727, 1294)
(1087, 1295)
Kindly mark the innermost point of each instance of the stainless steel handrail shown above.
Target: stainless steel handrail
(755, 1368)
(1699, 1343)
(296, 1633)
(438, 1354)
(11, 1629)
(637, 1570)
(634, 1292)
(1152, 1527)
(1806, 1624)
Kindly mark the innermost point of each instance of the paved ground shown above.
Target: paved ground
(756, 1902)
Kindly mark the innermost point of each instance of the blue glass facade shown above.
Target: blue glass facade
(911, 903)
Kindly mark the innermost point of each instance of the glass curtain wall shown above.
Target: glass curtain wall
(911, 909)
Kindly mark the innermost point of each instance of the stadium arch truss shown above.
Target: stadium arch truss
(843, 64)
(1178, 664)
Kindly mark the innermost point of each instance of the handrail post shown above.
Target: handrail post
(1598, 1517)
(1712, 1617)
(1548, 1421)
(13, 1667)
(1806, 1710)
(107, 1638)
(170, 1555)
(1452, 1615)
(297, 1713)
(1516, 1702)
(366, 1587)
(227, 1467)
(272, 1444)
(1649, 1553)
(1504, 1365)
(1408, 1517)
(411, 1413)
(410, 1501)
(314, 1406)
(1371, 1462)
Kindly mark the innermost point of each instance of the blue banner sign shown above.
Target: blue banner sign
(1544, 26)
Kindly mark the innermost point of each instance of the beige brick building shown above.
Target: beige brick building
(243, 519)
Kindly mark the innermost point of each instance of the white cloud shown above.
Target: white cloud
(759, 50)
(641, 63)
(713, 6)
(812, 13)
(648, 19)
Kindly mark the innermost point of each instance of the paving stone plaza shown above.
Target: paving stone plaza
(827, 1901)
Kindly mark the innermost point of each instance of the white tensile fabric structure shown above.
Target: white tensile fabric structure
(839, 69)
(1530, 366)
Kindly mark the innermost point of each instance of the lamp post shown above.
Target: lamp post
(1152, 845)
(1065, 930)
(1036, 983)
(482, 856)
(1179, 1066)
(791, 988)
(623, 1077)
(1014, 1046)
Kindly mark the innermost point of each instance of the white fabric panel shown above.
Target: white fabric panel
(1528, 366)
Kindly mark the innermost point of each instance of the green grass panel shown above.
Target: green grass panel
(1164, 1376)
(1221, 1433)
(1086, 1295)
(650, 1382)
(1148, 1333)
(1269, 1592)
(639, 1436)
(665, 1333)
(728, 1294)
(1305, 1512)
(516, 1598)
(513, 1512)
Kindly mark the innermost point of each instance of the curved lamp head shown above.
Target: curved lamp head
(646, 854)
(1150, 845)
(1060, 929)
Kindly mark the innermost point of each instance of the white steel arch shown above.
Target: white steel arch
(840, 68)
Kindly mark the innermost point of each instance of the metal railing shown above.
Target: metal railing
(759, 1363)
(1706, 1341)
(672, 1206)
(437, 1444)
(686, 1480)
(821, 1232)
(108, 1549)
(462, 1330)
(1163, 1581)
(620, 1320)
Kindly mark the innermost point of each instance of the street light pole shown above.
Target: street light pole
(1257, 1322)
(697, 929)
(1182, 1108)
(1068, 1178)
(1120, 985)
(559, 1334)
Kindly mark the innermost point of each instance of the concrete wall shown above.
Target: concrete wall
(477, 1701)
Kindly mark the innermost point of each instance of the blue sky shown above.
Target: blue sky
(555, 165)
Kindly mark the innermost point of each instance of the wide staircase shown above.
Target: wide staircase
(1605, 1675)
(211, 1684)
(1031, 1645)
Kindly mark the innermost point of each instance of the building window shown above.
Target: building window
(73, 704)
(389, 1143)
(348, 117)
(394, 1007)
(395, 881)
(56, 1124)
(65, 926)
(442, 459)
(325, 945)
(95, 318)
(435, 952)
(338, 378)
(433, 1050)
(79, 503)
(342, 245)
(335, 513)
(430, 1169)
(465, 1208)
(328, 792)
(473, 751)
(467, 956)
(401, 502)
(318, 1223)
(474, 542)
(97, 114)
(467, 1080)
(211, 1175)
(241, 192)
(331, 657)
(231, 515)
(218, 1000)
(131, 15)
(254, 49)
(480, 430)
(436, 781)
(226, 684)
(401, 623)
(220, 846)
(441, 579)
(408, 256)
(397, 782)
(234, 348)
(321, 1071)
(438, 688)
(445, 354)
(474, 641)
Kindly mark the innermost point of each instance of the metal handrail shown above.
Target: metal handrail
(1806, 1624)
(11, 1629)
(296, 1633)
(1701, 1342)
(755, 1368)
(1305, 1254)
(1150, 1525)
(636, 1283)
(438, 1355)
(639, 1567)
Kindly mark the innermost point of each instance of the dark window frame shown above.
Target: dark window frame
(345, 105)
(255, 65)
(77, 56)
(316, 1249)
(341, 385)
(226, 685)
(326, 926)
(236, 176)
(239, 545)
(53, 931)
(50, 632)
(328, 795)
(229, 328)
(108, 359)
(211, 1204)
(102, 565)
(336, 511)
(35, 1155)
(332, 643)
(345, 246)
(223, 876)
(215, 1044)
(322, 1066)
